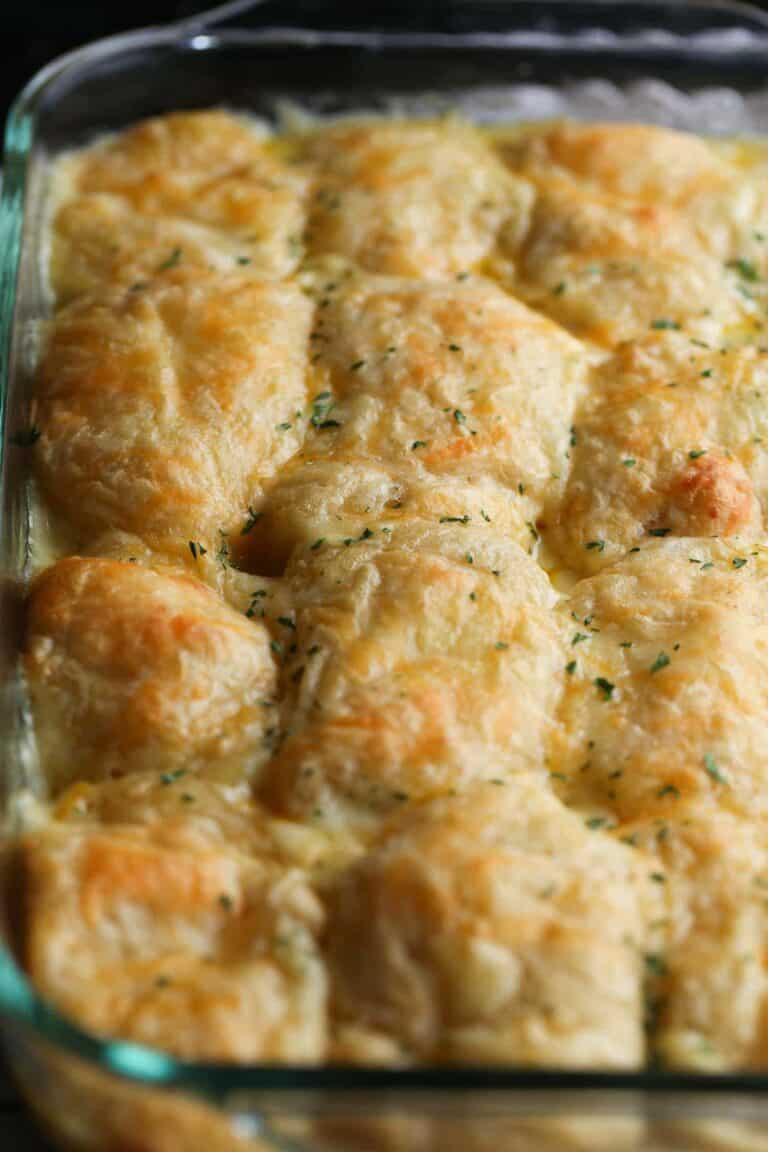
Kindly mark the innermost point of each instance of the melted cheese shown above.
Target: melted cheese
(487, 940)
(131, 668)
(414, 671)
(201, 952)
(160, 408)
(410, 199)
(418, 482)
(671, 441)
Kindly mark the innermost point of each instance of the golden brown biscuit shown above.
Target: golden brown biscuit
(208, 168)
(718, 185)
(612, 268)
(210, 811)
(205, 954)
(486, 938)
(637, 160)
(131, 669)
(707, 989)
(410, 199)
(671, 441)
(162, 410)
(419, 658)
(336, 497)
(101, 243)
(445, 379)
(667, 681)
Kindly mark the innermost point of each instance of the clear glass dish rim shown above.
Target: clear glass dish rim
(20, 1006)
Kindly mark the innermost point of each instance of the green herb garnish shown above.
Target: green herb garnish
(604, 687)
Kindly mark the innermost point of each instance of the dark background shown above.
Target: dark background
(43, 29)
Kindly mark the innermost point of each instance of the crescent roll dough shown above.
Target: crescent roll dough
(130, 668)
(159, 409)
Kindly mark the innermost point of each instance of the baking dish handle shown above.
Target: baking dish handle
(559, 17)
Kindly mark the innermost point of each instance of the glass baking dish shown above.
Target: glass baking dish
(700, 67)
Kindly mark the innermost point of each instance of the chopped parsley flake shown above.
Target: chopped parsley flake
(454, 348)
(629, 462)
(250, 523)
(485, 515)
(661, 661)
(459, 416)
(595, 822)
(604, 687)
(317, 544)
(170, 777)
(418, 444)
(659, 531)
(663, 325)
(276, 647)
(570, 667)
(284, 426)
(454, 519)
(668, 790)
(196, 549)
(711, 769)
(595, 546)
(559, 288)
(358, 364)
(470, 558)
(739, 561)
(501, 645)
(745, 269)
(696, 452)
(171, 262)
(222, 551)
(321, 407)
(655, 964)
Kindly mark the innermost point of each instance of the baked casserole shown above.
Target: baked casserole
(398, 648)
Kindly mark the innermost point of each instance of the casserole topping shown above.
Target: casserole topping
(401, 687)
